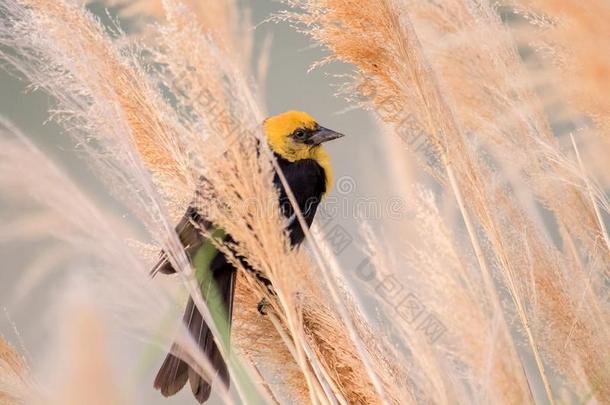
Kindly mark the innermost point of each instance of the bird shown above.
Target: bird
(296, 139)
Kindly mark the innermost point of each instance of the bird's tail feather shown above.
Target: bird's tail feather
(174, 372)
(172, 375)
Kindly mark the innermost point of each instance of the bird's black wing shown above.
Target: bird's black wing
(217, 283)
(190, 238)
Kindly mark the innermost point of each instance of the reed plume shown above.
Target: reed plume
(84, 372)
(16, 385)
(151, 154)
(566, 37)
(413, 67)
(436, 281)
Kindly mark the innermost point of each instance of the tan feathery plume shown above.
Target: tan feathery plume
(398, 74)
(16, 385)
(83, 366)
(568, 36)
(101, 89)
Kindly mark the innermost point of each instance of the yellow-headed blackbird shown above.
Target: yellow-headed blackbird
(296, 140)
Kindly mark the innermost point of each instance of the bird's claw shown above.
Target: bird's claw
(261, 306)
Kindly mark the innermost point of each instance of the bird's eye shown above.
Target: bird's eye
(299, 134)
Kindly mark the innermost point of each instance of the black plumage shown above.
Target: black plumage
(307, 181)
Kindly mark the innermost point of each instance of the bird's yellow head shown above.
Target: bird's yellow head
(295, 135)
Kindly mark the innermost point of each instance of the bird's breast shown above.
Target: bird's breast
(307, 180)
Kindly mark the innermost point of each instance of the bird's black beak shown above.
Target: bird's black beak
(323, 135)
